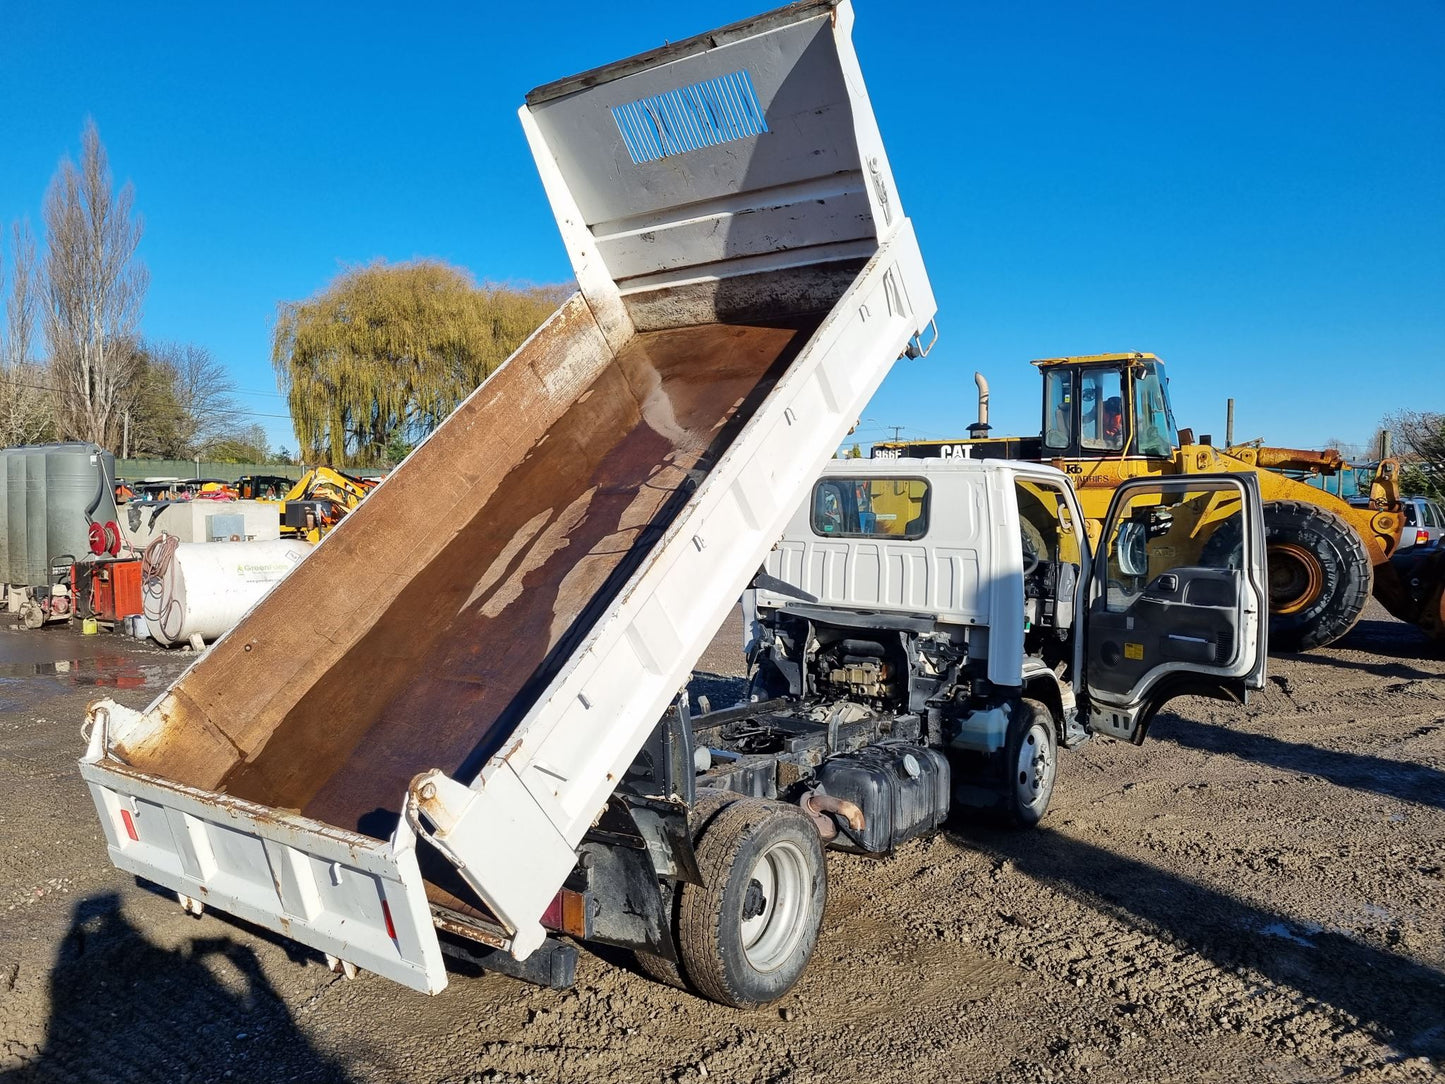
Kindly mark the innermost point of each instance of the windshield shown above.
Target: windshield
(1153, 420)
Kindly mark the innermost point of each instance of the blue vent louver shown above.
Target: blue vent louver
(701, 115)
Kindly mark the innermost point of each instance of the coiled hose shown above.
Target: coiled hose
(158, 596)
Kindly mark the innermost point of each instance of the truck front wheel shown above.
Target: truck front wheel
(746, 934)
(1031, 756)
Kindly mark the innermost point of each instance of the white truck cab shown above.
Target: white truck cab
(986, 565)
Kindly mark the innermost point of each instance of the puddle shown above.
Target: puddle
(115, 672)
(72, 659)
(1299, 935)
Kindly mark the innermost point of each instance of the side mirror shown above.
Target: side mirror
(1131, 551)
(1131, 545)
(1156, 521)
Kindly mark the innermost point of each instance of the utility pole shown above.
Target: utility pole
(125, 437)
(896, 430)
(1229, 425)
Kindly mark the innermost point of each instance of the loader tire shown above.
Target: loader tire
(1319, 574)
(705, 807)
(747, 932)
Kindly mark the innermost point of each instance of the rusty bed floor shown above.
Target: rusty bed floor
(458, 656)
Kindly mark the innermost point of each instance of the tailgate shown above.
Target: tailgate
(359, 899)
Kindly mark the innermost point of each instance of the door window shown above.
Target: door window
(1155, 532)
(1102, 422)
(1153, 421)
(1058, 408)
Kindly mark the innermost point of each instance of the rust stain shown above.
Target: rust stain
(469, 930)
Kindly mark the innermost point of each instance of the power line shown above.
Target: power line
(208, 410)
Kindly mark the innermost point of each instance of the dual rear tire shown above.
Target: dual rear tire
(745, 935)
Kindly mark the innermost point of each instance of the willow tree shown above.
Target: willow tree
(380, 356)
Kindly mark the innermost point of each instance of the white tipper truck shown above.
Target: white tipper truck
(440, 733)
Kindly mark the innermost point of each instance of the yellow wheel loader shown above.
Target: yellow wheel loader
(1107, 418)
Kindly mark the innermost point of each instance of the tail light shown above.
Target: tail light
(1422, 538)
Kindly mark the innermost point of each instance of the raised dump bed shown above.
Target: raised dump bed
(515, 606)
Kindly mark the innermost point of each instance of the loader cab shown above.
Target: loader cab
(1106, 406)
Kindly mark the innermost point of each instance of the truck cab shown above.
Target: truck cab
(949, 587)
(922, 641)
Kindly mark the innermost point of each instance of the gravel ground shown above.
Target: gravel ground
(1256, 894)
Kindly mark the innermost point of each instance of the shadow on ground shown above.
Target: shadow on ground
(1397, 999)
(126, 1010)
(1391, 639)
(1400, 779)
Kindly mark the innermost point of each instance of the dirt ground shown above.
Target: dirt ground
(1256, 894)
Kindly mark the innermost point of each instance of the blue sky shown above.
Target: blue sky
(1256, 192)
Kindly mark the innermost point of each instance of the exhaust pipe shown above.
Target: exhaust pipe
(818, 806)
(981, 427)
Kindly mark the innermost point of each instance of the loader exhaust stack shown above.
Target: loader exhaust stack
(981, 427)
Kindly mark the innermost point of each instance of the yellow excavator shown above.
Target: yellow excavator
(318, 502)
(1107, 418)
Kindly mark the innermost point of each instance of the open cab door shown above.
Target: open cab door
(1177, 599)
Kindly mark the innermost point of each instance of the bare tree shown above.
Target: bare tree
(93, 289)
(1420, 445)
(25, 408)
(181, 401)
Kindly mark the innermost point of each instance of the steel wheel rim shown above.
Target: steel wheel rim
(1035, 766)
(781, 875)
(1295, 578)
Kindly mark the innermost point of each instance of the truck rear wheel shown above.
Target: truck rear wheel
(1319, 575)
(746, 934)
(705, 807)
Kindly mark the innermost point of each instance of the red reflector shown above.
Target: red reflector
(386, 914)
(129, 825)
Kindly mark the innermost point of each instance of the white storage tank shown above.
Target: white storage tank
(203, 588)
